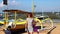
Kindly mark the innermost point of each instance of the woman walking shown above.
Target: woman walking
(28, 25)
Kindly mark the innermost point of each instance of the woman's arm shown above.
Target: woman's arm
(26, 24)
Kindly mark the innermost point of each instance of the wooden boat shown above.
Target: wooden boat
(18, 24)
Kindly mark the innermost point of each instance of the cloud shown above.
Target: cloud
(1, 4)
(13, 2)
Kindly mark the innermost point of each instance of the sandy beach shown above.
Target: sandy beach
(54, 31)
(57, 29)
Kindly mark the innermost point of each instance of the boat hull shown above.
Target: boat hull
(18, 27)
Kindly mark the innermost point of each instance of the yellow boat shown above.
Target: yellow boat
(19, 23)
(2, 22)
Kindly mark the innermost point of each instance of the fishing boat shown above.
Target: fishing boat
(17, 23)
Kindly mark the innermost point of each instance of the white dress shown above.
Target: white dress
(29, 21)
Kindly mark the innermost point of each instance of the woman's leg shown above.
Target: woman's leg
(37, 32)
(31, 33)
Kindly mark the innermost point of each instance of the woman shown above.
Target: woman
(29, 24)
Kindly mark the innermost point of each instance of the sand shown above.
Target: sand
(55, 31)
(1, 31)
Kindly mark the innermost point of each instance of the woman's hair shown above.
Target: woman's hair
(29, 14)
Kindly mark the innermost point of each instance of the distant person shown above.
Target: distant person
(28, 24)
(35, 28)
(8, 26)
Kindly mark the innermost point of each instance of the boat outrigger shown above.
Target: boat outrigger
(18, 23)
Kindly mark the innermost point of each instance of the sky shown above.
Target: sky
(26, 5)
